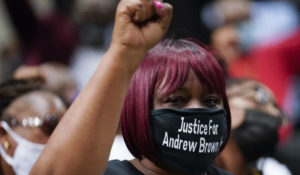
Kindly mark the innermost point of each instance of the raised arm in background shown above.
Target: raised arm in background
(81, 142)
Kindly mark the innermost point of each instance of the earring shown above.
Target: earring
(6, 145)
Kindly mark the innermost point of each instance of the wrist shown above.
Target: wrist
(127, 57)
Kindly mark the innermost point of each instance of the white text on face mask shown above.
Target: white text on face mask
(191, 146)
(198, 128)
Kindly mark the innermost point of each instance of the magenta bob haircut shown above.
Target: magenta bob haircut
(171, 60)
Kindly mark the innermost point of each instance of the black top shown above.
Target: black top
(117, 167)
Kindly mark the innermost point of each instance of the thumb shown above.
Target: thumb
(164, 13)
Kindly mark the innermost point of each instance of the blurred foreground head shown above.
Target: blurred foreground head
(29, 114)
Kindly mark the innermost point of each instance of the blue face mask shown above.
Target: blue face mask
(188, 140)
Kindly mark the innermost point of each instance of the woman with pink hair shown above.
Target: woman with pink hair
(175, 119)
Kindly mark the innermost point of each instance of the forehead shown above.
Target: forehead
(37, 103)
(191, 81)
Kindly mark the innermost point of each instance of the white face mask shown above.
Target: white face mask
(25, 155)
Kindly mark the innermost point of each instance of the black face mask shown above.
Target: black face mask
(258, 134)
(188, 140)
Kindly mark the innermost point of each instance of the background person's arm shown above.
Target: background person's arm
(81, 142)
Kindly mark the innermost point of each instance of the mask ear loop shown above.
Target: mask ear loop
(8, 159)
(6, 127)
(285, 118)
(18, 139)
(3, 148)
(286, 127)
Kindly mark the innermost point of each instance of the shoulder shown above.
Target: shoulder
(117, 167)
(217, 171)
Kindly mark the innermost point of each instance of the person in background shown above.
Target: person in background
(52, 37)
(256, 120)
(29, 114)
(94, 20)
(229, 44)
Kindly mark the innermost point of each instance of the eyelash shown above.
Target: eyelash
(177, 101)
(211, 102)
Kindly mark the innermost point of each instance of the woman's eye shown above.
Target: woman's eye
(176, 101)
(211, 102)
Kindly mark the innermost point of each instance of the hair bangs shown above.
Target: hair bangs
(173, 74)
(206, 68)
(208, 75)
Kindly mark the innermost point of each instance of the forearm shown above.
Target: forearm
(81, 143)
(95, 114)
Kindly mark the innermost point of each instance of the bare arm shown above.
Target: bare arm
(81, 142)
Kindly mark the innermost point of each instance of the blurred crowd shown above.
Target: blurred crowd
(50, 49)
